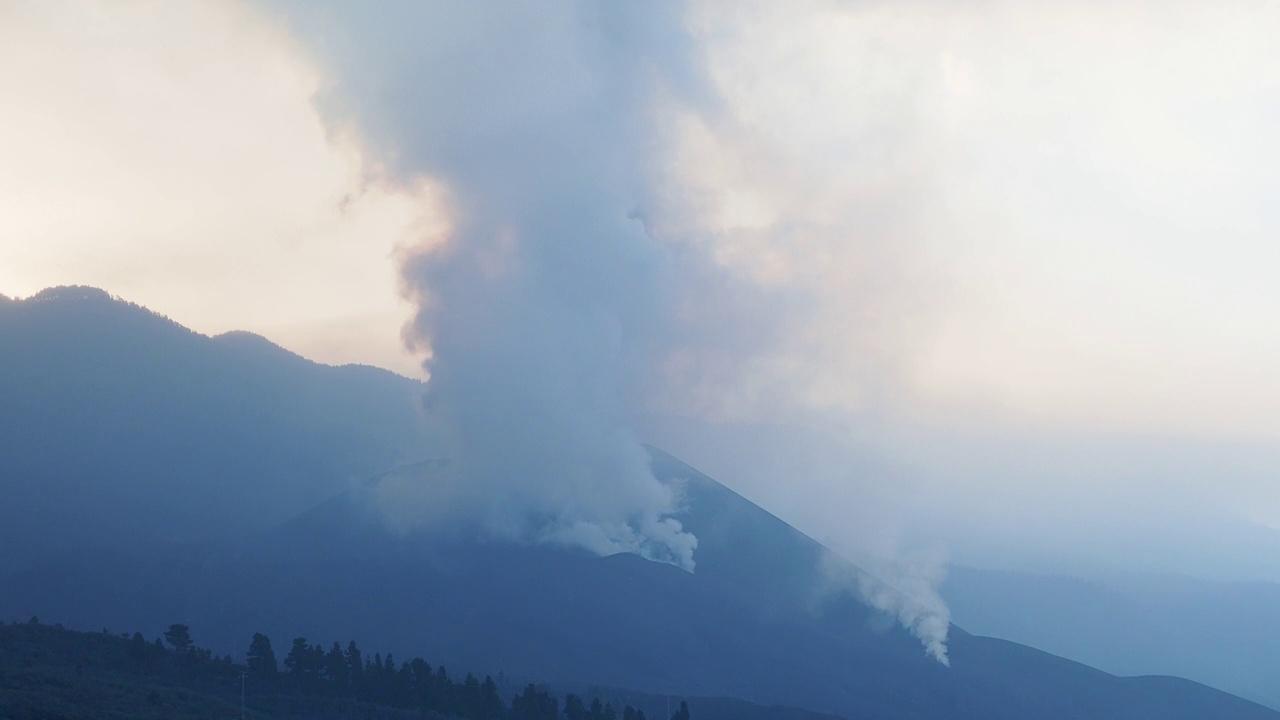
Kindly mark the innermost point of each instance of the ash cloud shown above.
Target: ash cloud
(581, 282)
(544, 306)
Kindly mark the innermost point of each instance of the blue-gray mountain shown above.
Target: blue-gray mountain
(753, 622)
(119, 427)
(1220, 633)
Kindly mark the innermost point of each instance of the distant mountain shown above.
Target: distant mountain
(1222, 634)
(118, 426)
(134, 446)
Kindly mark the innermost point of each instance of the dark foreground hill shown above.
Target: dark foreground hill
(52, 673)
(757, 621)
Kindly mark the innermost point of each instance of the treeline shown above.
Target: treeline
(311, 680)
(413, 684)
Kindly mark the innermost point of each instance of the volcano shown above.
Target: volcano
(758, 620)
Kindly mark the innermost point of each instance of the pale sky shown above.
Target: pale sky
(1030, 219)
(170, 154)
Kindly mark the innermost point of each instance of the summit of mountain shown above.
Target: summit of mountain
(119, 426)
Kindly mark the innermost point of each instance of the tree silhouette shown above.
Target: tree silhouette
(491, 705)
(261, 658)
(304, 661)
(335, 667)
(179, 636)
(138, 649)
(534, 704)
(321, 682)
(574, 709)
(355, 666)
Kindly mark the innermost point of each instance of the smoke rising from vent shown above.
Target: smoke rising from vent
(905, 589)
(542, 308)
(581, 282)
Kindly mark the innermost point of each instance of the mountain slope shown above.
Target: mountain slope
(130, 445)
(118, 426)
(751, 623)
(1222, 634)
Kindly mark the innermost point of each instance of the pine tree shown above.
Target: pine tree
(355, 665)
(139, 651)
(533, 704)
(574, 709)
(298, 661)
(491, 707)
(445, 700)
(179, 636)
(469, 697)
(315, 662)
(335, 667)
(261, 659)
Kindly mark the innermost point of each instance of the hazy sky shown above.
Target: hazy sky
(1017, 259)
(170, 153)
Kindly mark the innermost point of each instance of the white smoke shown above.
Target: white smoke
(905, 588)
(546, 304)
(589, 273)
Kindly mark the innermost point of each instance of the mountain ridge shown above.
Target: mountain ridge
(132, 413)
(1212, 632)
(104, 403)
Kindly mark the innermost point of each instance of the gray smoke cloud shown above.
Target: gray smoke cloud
(546, 306)
(579, 284)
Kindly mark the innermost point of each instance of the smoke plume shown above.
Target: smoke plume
(905, 589)
(585, 277)
(541, 309)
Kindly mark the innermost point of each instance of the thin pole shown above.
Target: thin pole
(241, 695)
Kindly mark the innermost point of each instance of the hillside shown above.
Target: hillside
(157, 475)
(120, 427)
(50, 672)
(1218, 633)
(747, 625)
